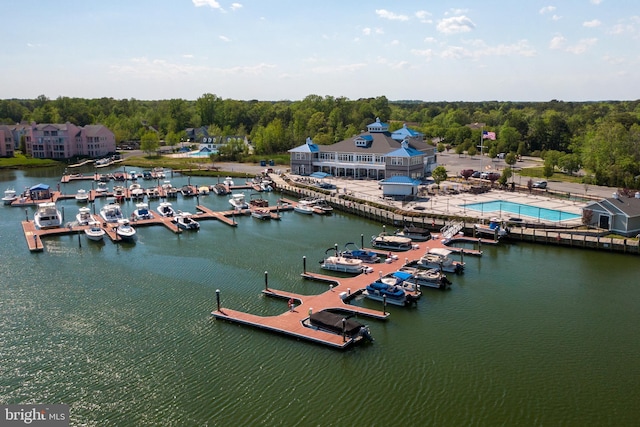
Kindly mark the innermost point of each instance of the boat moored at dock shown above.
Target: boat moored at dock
(166, 209)
(47, 216)
(439, 258)
(345, 265)
(391, 242)
(9, 196)
(111, 212)
(417, 234)
(338, 324)
(94, 232)
(185, 221)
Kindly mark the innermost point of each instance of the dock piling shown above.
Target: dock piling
(266, 281)
(26, 215)
(218, 299)
(384, 304)
(344, 329)
(304, 264)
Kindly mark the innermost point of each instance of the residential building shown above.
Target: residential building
(618, 214)
(374, 154)
(63, 141)
(7, 145)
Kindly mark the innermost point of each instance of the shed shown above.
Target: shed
(399, 186)
(618, 214)
(39, 192)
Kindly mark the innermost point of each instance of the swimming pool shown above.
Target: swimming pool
(521, 210)
(200, 154)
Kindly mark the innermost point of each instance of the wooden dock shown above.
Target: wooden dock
(292, 323)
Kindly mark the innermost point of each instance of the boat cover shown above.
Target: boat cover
(333, 322)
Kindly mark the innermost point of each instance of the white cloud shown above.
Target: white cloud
(477, 49)
(592, 24)
(383, 13)
(430, 40)
(188, 56)
(556, 17)
(161, 69)
(338, 68)
(236, 6)
(455, 24)
(224, 38)
(582, 46)
(547, 9)
(366, 31)
(247, 69)
(596, 2)
(424, 16)
(213, 4)
(427, 53)
(557, 42)
(456, 12)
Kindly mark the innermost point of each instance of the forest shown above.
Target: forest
(601, 138)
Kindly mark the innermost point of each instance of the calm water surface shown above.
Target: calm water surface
(529, 335)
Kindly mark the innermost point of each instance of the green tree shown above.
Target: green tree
(439, 174)
(149, 142)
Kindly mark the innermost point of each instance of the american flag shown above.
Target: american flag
(488, 135)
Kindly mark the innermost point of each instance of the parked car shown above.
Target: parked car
(476, 174)
(540, 184)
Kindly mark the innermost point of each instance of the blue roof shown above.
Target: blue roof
(39, 187)
(305, 148)
(405, 152)
(404, 131)
(400, 179)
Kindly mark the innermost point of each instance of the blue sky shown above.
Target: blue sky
(505, 50)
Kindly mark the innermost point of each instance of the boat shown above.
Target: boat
(391, 242)
(417, 234)
(119, 192)
(237, 200)
(142, 212)
(94, 232)
(304, 206)
(111, 212)
(47, 216)
(338, 324)
(352, 251)
(265, 186)
(203, 190)
(136, 191)
(84, 216)
(432, 278)
(256, 201)
(82, 196)
(166, 209)
(169, 190)
(228, 181)
(158, 172)
(146, 175)
(184, 221)
(388, 293)
(323, 205)
(401, 279)
(152, 193)
(101, 189)
(187, 191)
(124, 230)
(344, 265)
(494, 229)
(220, 189)
(261, 213)
(439, 258)
(9, 196)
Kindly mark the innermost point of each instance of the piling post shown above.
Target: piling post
(384, 304)
(462, 255)
(79, 242)
(344, 329)
(218, 299)
(362, 240)
(62, 214)
(266, 281)
(26, 215)
(479, 243)
(304, 264)
(35, 240)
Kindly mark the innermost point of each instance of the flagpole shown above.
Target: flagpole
(481, 144)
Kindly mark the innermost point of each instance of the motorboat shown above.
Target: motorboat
(187, 191)
(494, 229)
(136, 191)
(119, 192)
(345, 265)
(388, 293)
(9, 196)
(228, 181)
(82, 196)
(124, 230)
(417, 234)
(265, 186)
(304, 206)
(132, 176)
(256, 201)
(439, 258)
(166, 209)
(391, 242)
(152, 192)
(203, 190)
(84, 216)
(432, 278)
(338, 324)
(141, 212)
(111, 212)
(169, 190)
(94, 231)
(237, 200)
(47, 216)
(158, 172)
(220, 189)
(261, 213)
(185, 221)
(352, 251)
(101, 189)
(146, 175)
(323, 205)
(402, 280)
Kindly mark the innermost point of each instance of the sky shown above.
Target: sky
(271, 50)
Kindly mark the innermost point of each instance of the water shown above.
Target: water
(520, 209)
(529, 335)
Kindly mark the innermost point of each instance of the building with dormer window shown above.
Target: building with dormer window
(375, 154)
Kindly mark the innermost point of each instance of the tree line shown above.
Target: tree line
(601, 138)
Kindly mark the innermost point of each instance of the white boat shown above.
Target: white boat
(323, 205)
(119, 192)
(94, 232)
(352, 251)
(391, 242)
(261, 213)
(166, 209)
(152, 193)
(124, 230)
(432, 278)
(228, 181)
(345, 265)
(185, 221)
(47, 216)
(203, 190)
(238, 201)
(142, 212)
(439, 258)
(494, 229)
(220, 189)
(169, 190)
(9, 196)
(382, 290)
(304, 206)
(102, 189)
(84, 216)
(82, 196)
(136, 191)
(111, 212)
